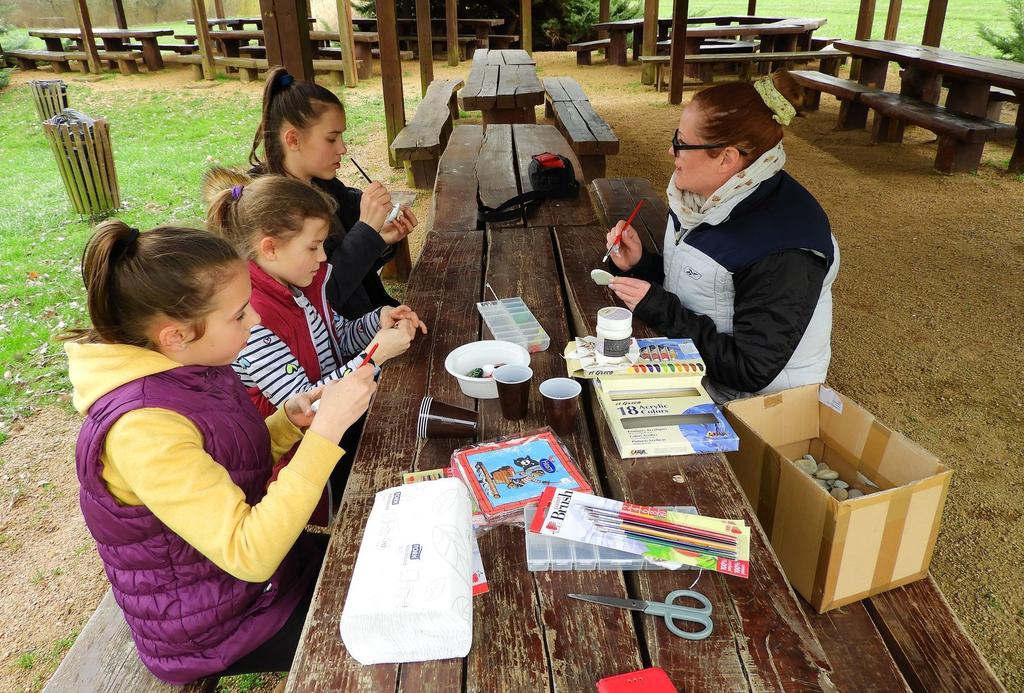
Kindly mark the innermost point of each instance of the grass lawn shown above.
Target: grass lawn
(41, 238)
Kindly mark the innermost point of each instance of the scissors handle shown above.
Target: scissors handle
(672, 611)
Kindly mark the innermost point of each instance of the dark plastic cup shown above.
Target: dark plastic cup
(561, 402)
(513, 390)
(441, 420)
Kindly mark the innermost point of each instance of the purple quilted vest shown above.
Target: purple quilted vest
(188, 617)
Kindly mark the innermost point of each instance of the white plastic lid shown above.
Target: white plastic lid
(615, 319)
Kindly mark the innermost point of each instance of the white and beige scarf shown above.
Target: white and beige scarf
(692, 209)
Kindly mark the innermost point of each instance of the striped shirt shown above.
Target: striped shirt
(268, 363)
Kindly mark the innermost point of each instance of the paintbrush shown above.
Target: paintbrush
(396, 208)
(360, 170)
(615, 244)
(315, 406)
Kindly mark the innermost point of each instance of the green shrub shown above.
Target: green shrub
(1010, 46)
(577, 17)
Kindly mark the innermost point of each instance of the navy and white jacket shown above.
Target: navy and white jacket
(754, 292)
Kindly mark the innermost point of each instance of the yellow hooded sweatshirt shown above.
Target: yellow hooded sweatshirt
(155, 457)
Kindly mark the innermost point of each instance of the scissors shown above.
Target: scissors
(667, 608)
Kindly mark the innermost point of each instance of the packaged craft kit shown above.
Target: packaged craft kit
(652, 397)
(837, 552)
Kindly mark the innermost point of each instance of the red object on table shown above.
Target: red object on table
(652, 680)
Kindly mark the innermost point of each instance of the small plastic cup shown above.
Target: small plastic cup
(513, 390)
(442, 420)
(561, 402)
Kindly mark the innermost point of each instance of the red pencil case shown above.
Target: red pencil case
(652, 680)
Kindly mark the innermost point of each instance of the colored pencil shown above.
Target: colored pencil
(618, 236)
(683, 546)
(697, 544)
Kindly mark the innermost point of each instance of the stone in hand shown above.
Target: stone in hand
(600, 277)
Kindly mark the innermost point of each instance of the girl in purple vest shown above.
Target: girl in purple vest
(301, 136)
(209, 565)
(279, 225)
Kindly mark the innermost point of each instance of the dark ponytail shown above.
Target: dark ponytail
(286, 100)
(132, 277)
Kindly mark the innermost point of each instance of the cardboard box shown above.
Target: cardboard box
(833, 552)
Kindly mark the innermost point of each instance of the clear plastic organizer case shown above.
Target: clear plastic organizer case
(509, 319)
(551, 553)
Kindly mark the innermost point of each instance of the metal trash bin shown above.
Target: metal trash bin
(81, 146)
(50, 96)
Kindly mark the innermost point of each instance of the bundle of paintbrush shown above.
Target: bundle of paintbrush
(667, 538)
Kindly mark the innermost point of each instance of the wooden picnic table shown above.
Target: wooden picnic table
(481, 25)
(113, 40)
(527, 634)
(237, 22)
(789, 33)
(503, 84)
(926, 69)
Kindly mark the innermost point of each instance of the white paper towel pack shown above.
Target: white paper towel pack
(411, 598)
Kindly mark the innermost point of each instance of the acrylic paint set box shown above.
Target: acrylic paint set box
(544, 553)
(509, 320)
(653, 400)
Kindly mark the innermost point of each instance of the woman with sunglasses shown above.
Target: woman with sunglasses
(749, 258)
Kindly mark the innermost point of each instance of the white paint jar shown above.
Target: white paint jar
(614, 333)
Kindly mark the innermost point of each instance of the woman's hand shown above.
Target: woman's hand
(630, 248)
(374, 206)
(343, 402)
(401, 227)
(299, 408)
(392, 341)
(630, 291)
(390, 317)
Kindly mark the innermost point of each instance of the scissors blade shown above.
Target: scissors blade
(632, 604)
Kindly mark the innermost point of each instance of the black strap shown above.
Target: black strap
(513, 208)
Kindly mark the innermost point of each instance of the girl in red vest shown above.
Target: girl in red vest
(279, 225)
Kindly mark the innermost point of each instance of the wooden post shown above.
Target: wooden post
(751, 7)
(680, 14)
(348, 42)
(203, 38)
(391, 74)
(88, 40)
(526, 20)
(650, 38)
(286, 34)
(423, 39)
(119, 18)
(933, 22)
(218, 8)
(451, 27)
(865, 18)
(892, 21)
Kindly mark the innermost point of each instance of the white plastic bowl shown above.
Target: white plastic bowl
(478, 354)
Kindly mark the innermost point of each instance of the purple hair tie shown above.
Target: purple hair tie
(236, 191)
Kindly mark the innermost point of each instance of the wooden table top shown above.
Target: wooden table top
(527, 634)
(501, 79)
(258, 35)
(100, 33)
(469, 21)
(1001, 73)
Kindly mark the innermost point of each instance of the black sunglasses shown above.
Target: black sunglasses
(680, 146)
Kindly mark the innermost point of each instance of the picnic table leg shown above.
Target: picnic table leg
(54, 44)
(230, 50)
(364, 52)
(482, 32)
(916, 83)
(853, 115)
(617, 47)
(638, 43)
(1017, 159)
(401, 266)
(965, 98)
(112, 44)
(691, 46)
(151, 54)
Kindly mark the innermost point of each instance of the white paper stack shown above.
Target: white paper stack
(411, 597)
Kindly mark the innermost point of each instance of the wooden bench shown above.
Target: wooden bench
(589, 135)
(997, 96)
(961, 137)
(584, 49)
(501, 41)
(193, 60)
(58, 60)
(183, 48)
(335, 68)
(104, 659)
(422, 141)
(248, 68)
(828, 59)
(846, 90)
(127, 61)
